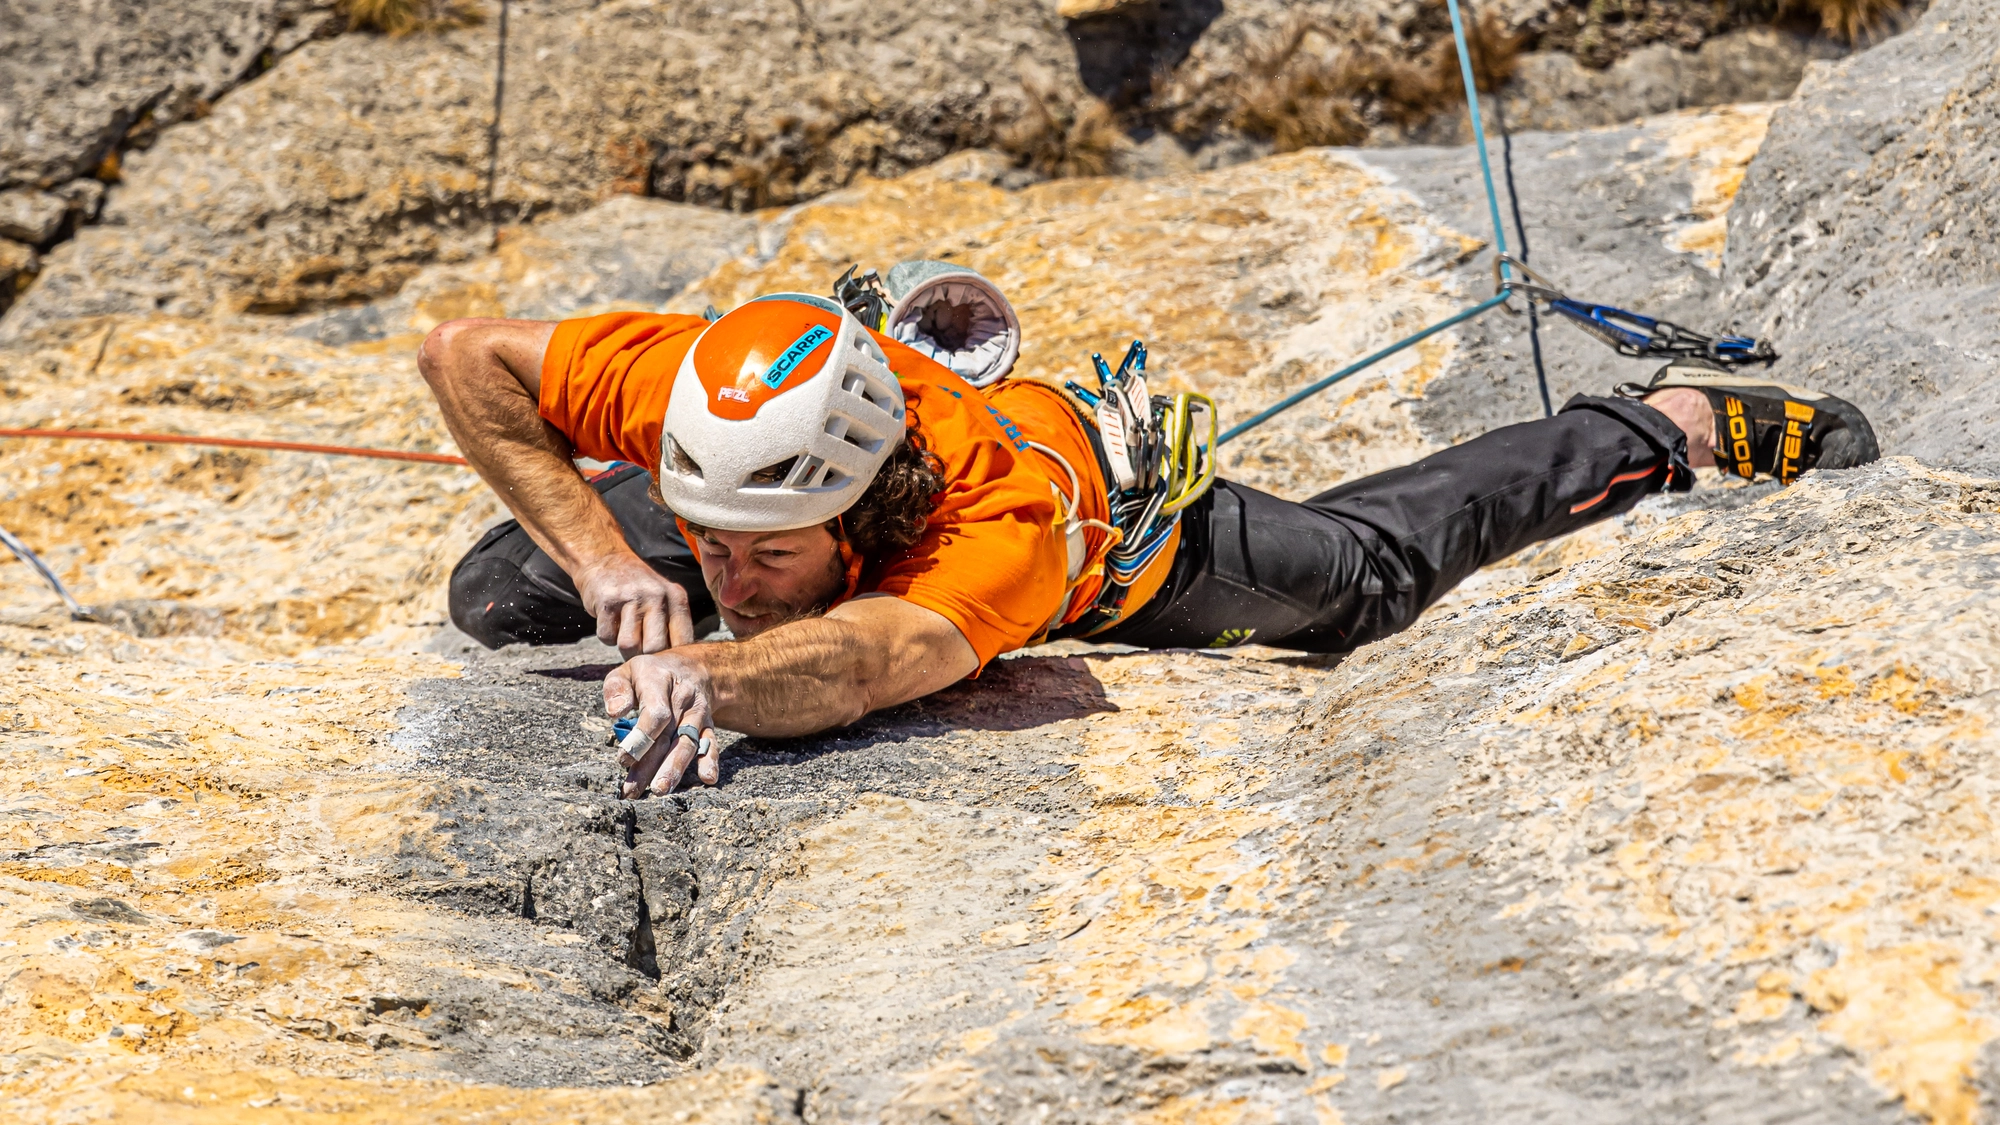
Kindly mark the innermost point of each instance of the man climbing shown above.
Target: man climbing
(872, 527)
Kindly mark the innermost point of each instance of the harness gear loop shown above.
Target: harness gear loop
(1157, 456)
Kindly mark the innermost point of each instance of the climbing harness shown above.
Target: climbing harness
(1157, 457)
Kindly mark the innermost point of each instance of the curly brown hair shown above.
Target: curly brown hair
(893, 509)
(892, 512)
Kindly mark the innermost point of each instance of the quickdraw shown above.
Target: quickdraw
(1629, 333)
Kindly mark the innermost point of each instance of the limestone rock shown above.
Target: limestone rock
(629, 252)
(1552, 92)
(15, 260)
(1685, 818)
(84, 197)
(1888, 304)
(31, 216)
(357, 161)
(79, 73)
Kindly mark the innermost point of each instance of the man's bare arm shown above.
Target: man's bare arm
(800, 678)
(487, 375)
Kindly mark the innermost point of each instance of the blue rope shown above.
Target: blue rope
(1499, 240)
(1478, 128)
(1300, 396)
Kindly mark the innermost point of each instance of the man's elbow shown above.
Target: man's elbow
(447, 350)
(457, 349)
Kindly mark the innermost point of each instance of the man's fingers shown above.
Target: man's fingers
(696, 716)
(618, 697)
(709, 765)
(656, 637)
(691, 719)
(647, 768)
(607, 623)
(682, 756)
(680, 619)
(674, 727)
(631, 630)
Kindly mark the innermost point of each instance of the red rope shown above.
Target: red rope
(239, 443)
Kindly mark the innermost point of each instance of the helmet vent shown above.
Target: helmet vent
(842, 429)
(870, 391)
(682, 463)
(773, 475)
(808, 473)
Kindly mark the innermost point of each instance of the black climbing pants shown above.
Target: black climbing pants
(1351, 565)
(506, 589)
(1363, 560)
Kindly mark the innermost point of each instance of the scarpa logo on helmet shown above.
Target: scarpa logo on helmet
(794, 355)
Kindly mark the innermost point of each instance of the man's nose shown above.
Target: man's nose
(737, 585)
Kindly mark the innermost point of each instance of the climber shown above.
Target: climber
(873, 525)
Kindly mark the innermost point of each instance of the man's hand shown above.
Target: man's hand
(674, 696)
(487, 375)
(636, 609)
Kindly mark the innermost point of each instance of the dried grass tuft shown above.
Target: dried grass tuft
(1307, 87)
(401, 17)
(1062, 137)
(1852, 20)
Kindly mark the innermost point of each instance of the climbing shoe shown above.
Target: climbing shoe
(1770, 428)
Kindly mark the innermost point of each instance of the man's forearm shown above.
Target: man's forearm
(797, 679)
(485, 375)
(825, 672)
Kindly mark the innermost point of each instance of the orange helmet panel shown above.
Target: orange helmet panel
(759, 352)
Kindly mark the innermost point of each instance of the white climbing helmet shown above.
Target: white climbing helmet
(780, 416)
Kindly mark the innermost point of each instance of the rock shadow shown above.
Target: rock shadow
(1009, 697)
(1118, 52)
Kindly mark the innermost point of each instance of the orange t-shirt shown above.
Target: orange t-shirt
(991, 560)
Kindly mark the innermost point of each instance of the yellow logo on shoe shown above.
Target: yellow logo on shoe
(1739, 437)
(1797, 417)
(1230, 638)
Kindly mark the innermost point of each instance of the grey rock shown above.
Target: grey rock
(1552, 92)
(1863, 241)
(78, 74)
(1411, 834)
(1599, 208)
(84, 197)
(31, 216)
(358, 161)
(628, 252)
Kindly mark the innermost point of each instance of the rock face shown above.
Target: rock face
(1863, 241)
(361, 159)
(315, 550)
(78, 76)
(1684, 817)
(358, 160)
(82, 82)
(1552, 92)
